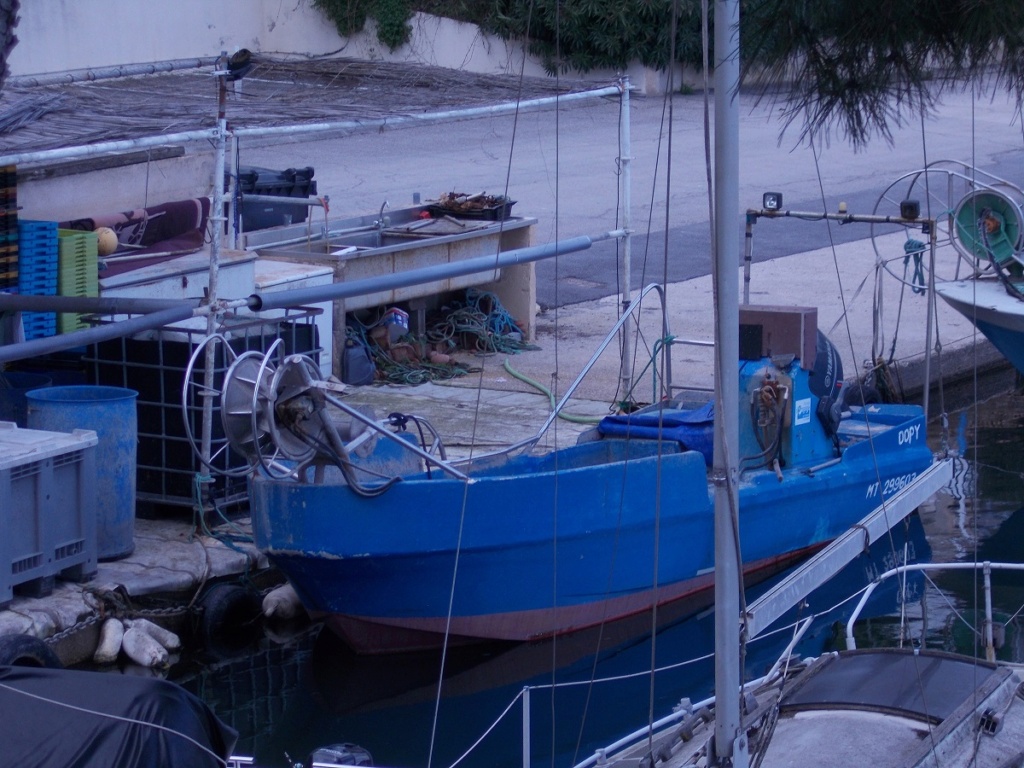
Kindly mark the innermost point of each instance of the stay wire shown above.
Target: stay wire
(870, 436)
(626, 400)
(849, 332)
(555, 383)
(476, 413)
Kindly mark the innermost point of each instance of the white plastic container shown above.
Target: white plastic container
(273, 276)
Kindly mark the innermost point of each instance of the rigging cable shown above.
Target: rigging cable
(477, 409)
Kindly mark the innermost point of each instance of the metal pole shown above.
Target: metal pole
(105, 73)
(506, 108)
(234, 216)
(728, 734)
(28, 349)
(304, 296)
(930, 319)
(351, 126)
(107, 305)
(213, 319)
(526, 726)
(625, 184)
(990, 650)
(748, 255)
(103, 147)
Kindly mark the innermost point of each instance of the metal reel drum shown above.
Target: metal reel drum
(1002, 221)
(293, 410)
(240, 383)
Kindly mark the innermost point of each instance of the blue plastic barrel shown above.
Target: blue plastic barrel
(110, 412)
(13, 386)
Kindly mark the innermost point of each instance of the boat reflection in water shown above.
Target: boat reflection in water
(312, 691)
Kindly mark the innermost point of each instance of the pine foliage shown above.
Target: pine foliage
(854, 67)
(862, 68)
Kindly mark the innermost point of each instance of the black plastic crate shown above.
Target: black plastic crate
(291, 182)
(155, 368)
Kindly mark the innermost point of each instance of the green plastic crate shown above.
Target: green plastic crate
(77, 273)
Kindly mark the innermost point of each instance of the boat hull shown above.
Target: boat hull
(997, 314)
(549, 545)
(373, 635)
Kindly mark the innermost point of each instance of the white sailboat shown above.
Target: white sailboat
(880, 707)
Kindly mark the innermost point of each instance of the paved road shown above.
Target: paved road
(561, 168)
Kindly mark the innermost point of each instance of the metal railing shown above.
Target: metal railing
(986, 568)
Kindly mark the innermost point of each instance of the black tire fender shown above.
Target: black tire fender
(858, 393)
(27, 651)
(229, 617)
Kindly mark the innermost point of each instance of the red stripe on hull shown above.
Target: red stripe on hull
(371, 635)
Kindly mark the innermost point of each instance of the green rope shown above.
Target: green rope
(477, 323)
(199, 522)
(915, 249)
(551, 397)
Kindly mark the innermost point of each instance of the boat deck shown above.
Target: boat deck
(882, 707)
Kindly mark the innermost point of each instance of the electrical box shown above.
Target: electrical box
(773, 331)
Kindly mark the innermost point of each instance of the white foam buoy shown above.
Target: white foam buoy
(111, 635)
(106, 241)
(165, 637)
(282, 603)
(143, 649)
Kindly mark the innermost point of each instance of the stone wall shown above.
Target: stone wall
(63, 35)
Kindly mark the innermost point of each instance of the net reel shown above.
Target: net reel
(279, 413)
(263, 406)
(960, 199)
(988, 226)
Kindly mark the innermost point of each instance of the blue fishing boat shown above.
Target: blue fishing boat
(401, 549)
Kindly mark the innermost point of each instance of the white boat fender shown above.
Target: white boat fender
(165, 637)
(143, 649)
(109, 646)
(283, 603)
(27, 651)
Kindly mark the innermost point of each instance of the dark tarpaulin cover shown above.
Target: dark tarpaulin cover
(693, 429)
(63, 718)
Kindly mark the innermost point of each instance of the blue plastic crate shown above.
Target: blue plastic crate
(32, 227)
(37, 266)
(35, 233)
(38, 325)
(41, 319)
(38, 248)
(43, 262)
(30, 287)
(37, 257)
(36, 242)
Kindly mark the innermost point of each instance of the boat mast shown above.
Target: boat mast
(729, 745)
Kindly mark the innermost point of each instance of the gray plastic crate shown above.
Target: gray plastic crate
(48, 518)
